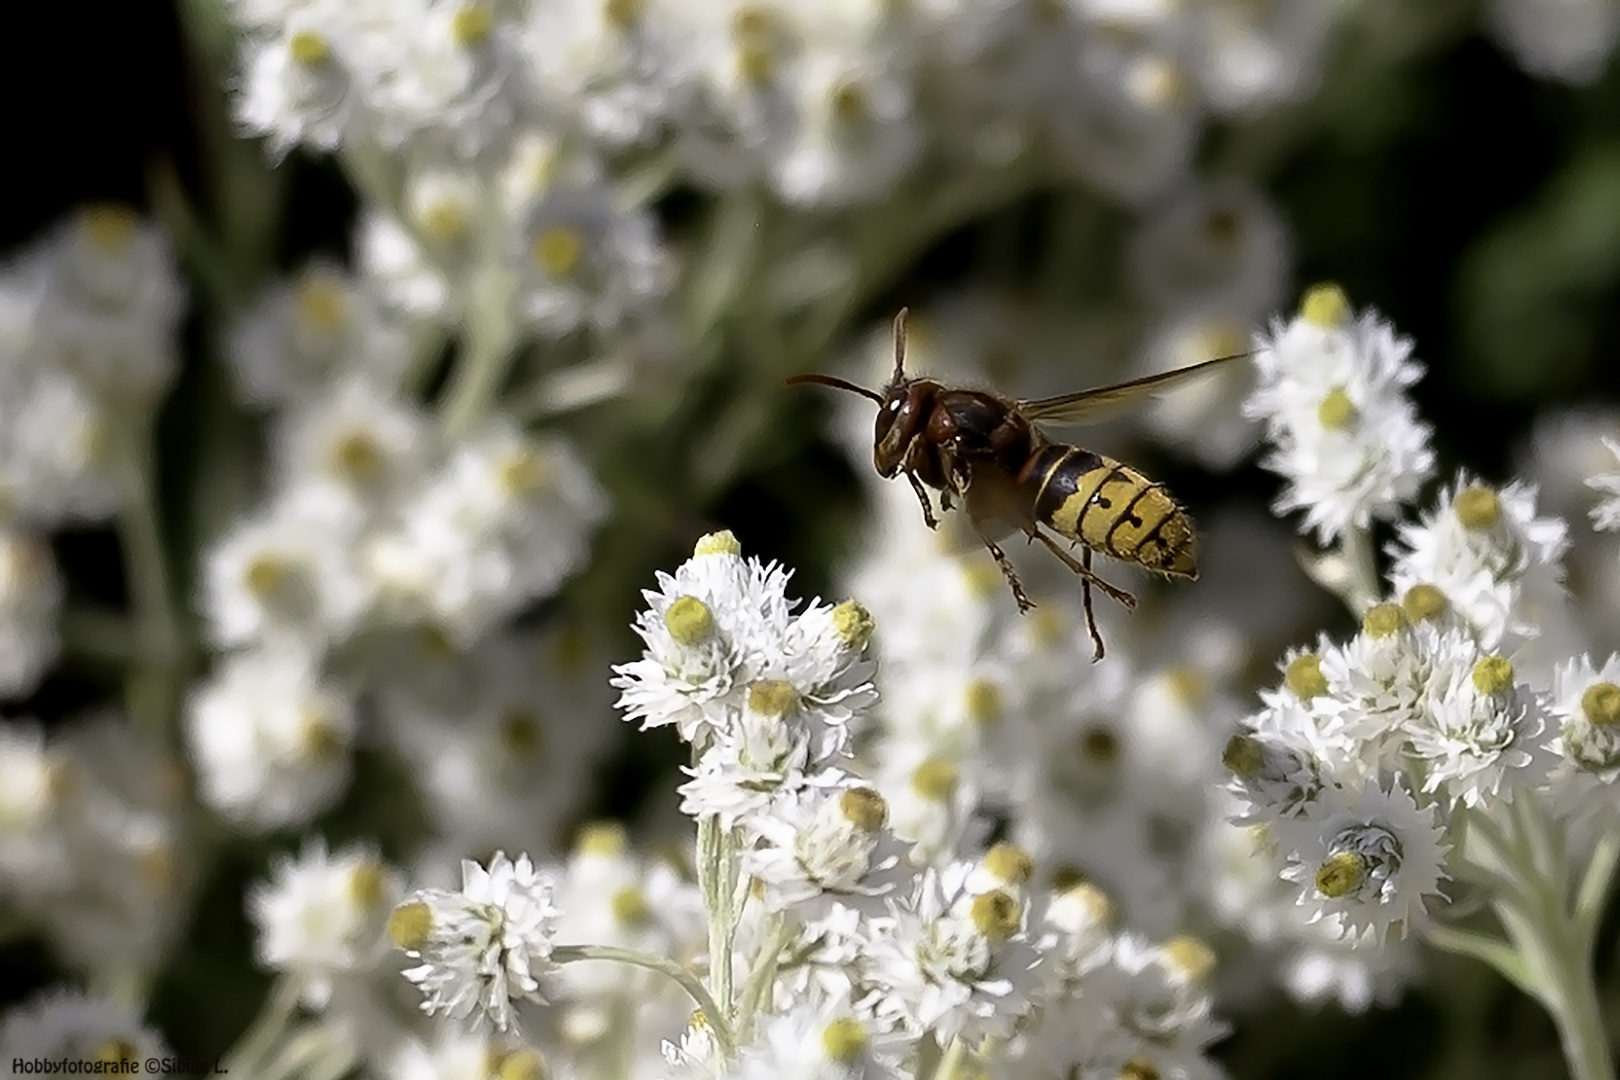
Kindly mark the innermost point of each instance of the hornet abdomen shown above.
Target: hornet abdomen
(1110, 508)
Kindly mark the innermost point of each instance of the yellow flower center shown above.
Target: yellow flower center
(308, 49)
(1191, 957)
(523, 472)
(557, 251)
(471, 25)
(864, 808)
(266, 575)
(109, 227)
(1099, 745)
(854, 624)
(357, 457)
(844, 1040)
(689, 621)
(520, 733)
(630, 907)
(605, 838)
(524, 1064)
(1493, 675)
(1382, 620)
(1336, 411)
(322, 303)
(1477, 507)
(1423, 602)
(1304, 676)
(622, 15)
(409, 925)
(995, 915)
(773, 697)
(1243, 755)
(1010, 863)
(719, 543)
(445, 220)
(1326, 306)
(983, 701)
(1340, 875)
(935, 779)
(1601, 704)
(366, 882)
(320, 739)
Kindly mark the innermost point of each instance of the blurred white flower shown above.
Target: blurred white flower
(1212, 247)
(1606, 514)
(484, 948)
(298, 86)
(30, 603)
(55, 466)
(949, 961)
(290, 574)
(1567, 40)
(304, 334)
(1586, 700)
(820, 1039)
(1343, 432)
(33, 862)
(71, 1026)
(321, 914)
(1255, 56)
(270, 740)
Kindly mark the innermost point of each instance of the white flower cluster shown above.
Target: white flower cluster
(827, 106)
(93, 844)
(832, 947)
(376, 525)
(1331, 394)
(1458, 711)
(87, 321)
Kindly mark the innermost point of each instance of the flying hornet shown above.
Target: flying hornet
(984, 451)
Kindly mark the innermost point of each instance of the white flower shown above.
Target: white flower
(1158, 993)
(1203, 417)
(302, 335)
(1606, 514)
(32, 860)
(357, 438)
(820, 1040)
(1257, 55)
(1382, 682)
(1374, 863)
(1567, 40)
(30, 603)
(270, 741)
(619, 69)
(501, 748)
(1493, 558)
(828, 846)
(1481, 737)
(500, 525)
(54, 452)
(1332, 393)
(581, 260)
(950, 961)
(64, 1025)
(297, 86)
(112, 301)
(455, 1054)
(484, 948)
(289, 575)
(1586, 699)
(322, 915)
(722, 642)
(1215, 246)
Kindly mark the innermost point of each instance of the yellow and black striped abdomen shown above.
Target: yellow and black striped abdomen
(1111, 508)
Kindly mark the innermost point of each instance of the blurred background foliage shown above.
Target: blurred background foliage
(1474, 205)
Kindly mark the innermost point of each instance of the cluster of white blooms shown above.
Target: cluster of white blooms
(815, 940)
(376, 523)
(1391, 773)
(1568, 40)
(93, 846)
(87, 321)
(828, 107)
(1332, 396)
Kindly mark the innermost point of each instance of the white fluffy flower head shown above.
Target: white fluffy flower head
(1344, 434)
(482, 949)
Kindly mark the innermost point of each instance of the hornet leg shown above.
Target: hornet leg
(1091, 618)
(922, 497)
(1085, 572)
(1024, 603)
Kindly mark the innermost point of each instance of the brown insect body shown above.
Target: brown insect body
(986, 451)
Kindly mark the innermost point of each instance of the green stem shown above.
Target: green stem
(478, 374)
(718, 1021)
(152, 689)
(1363, 587)
(246, 1058)
(763, 976)
(951, 1061)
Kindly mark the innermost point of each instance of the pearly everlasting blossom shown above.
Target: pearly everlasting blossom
(1606, 514)
(482, 949)
(1344, 434)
